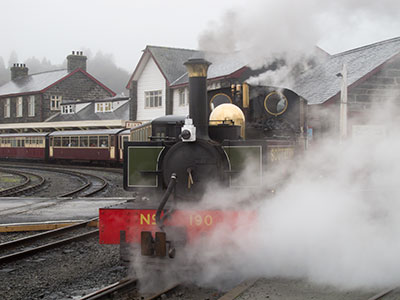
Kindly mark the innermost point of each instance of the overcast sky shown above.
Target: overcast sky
(53, 28)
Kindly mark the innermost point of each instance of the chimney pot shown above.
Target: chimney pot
(18, 70)
(76, 61)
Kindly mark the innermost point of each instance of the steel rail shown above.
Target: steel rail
(24, 187)
(83, 176)
(17, 186)
(238, 290)
(382, 294)
(43, 235)
(32, 251)
(122, 286)
(165, 291)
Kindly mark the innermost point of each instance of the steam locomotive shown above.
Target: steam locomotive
(185, 158)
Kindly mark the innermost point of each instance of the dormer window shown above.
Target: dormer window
(68, 109)
(103, 107)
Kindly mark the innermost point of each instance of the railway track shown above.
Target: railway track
(124, 286)
(89, 188)
(92, 184)
(127, 288)
(30, 182)
(386, 294)
(28, 246)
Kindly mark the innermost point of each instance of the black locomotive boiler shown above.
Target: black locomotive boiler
(184, 157)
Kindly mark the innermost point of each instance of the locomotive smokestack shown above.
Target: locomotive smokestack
(197, 69)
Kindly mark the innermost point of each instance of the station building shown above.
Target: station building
(59, 100)
(159, 84)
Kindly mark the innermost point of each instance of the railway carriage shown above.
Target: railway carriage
(31, 146)
(85, 145)
(123, 136)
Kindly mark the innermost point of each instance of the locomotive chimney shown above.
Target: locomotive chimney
(197, 70)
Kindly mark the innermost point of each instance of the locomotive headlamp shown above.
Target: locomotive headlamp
(188, 132)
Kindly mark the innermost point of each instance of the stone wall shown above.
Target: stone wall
(77, 86)
(380, 88)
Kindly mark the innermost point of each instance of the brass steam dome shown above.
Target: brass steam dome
(229, 114)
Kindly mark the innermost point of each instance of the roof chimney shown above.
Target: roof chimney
(76, 60)
(18, 71)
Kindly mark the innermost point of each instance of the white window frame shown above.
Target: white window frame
(153, 99)
(19, 107)
(31, 106)
(67, 109)
(182, 97)
(103, 107)
(7, 108)
(55, 102)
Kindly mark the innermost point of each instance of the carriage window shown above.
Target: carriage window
(65, 141)
(40, 141)
(93, 141)
(57, 142)
(74, 141)
(103, 141)
(83, 141)
(13, 142)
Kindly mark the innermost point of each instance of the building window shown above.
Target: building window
(31, 106)
(55, 102)
(68, 109)
(103, 107)
(18, 108)
(153, 99)
(7, 108)
(182, 98)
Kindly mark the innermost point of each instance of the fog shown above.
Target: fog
(297, 33)
(100, 65)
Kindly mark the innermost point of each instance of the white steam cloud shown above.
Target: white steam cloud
(336, 220)
(267, 31)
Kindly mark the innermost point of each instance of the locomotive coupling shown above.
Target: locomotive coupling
(156, 246)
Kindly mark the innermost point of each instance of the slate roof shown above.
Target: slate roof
(171, 60)
(171, 63)
(88, 113)
(222, 65)
(320, 84)
(32, 83)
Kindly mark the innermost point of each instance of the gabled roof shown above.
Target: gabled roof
(171, 61)
(40, 82)
(222, 65)
(321, 84)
